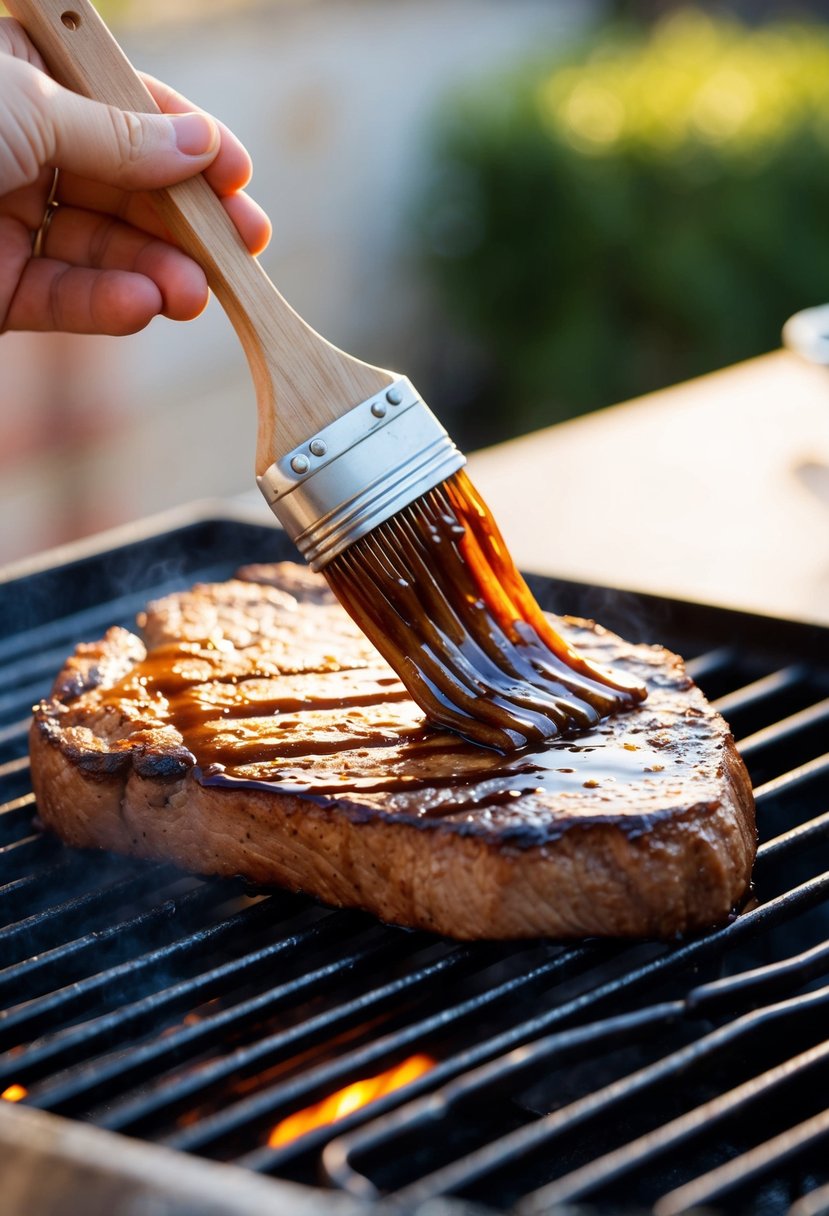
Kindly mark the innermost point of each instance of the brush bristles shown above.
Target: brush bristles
(436, 591)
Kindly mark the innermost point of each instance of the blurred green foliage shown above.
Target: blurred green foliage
(648, 210)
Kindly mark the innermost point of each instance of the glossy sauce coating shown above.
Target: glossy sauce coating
(348, 731)
(437, 593)
(236, 739)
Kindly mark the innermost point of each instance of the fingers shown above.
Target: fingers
(251, 221)
(54, 296)
(119, 147)
(96, 275)
(108, 266)
(232, 169)
(137, 209)
(98, 242)
(15, 41)
(144, 151)
(26, 204)
(117, 153)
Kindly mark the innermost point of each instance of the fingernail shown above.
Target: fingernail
(195, 134)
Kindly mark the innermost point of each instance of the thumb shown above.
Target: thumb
(123, 148)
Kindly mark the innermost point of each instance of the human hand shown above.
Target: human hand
(106, 264)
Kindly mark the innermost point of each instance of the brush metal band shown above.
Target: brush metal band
(359, 471)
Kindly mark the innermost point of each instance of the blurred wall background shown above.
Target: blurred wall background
(333, 98)
(469, 191)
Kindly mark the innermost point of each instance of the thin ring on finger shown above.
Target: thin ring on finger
(39, 236)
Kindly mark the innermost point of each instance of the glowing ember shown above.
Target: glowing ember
(14, 1093)
(336, 1106)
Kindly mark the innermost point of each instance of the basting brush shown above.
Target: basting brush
(362, 475)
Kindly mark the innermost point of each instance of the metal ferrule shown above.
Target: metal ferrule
(359, 471)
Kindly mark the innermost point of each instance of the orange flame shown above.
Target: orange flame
(337, 1105)
(14, 1093)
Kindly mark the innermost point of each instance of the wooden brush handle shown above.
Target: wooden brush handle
(310, 381)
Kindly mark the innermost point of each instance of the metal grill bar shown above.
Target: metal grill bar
(713, 660)
(31, 850)
(761, 1160)
(39, 880)
(126, 978)
(358, 1003)
(426, 1114)
(633, 1087)
(816, 1203)
(782, 731)
(760, 690)
(14, 775)
(40, 663)
(60, 635)
(270, 1050)
(268, 1158)
(281, 1101)
(818, 767)
(67, 914)
(23, 699)
(23, 802)
(72, 960)
(808, 894)
(88, 1080)
(15, 734)
(760, 982)
(672, 1135)
(794, 838)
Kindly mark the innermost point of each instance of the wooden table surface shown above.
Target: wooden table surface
(716, 490)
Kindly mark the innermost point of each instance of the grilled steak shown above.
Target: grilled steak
(255, 731)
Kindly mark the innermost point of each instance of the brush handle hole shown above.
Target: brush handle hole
(71, 19)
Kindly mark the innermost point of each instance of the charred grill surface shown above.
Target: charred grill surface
(216, 1018)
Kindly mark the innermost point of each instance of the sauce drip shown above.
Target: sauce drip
(351, 731)
(435, 590)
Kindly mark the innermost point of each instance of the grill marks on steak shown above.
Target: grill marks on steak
(260, 733)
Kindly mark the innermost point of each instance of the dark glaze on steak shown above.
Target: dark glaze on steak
(261, 734)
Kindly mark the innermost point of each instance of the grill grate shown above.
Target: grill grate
(201, 1014)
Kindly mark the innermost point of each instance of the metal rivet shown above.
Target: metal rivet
(300, 464)
(378, 409)
(394, 396)
(318, 447)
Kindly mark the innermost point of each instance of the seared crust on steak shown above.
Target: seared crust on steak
(260, 734)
